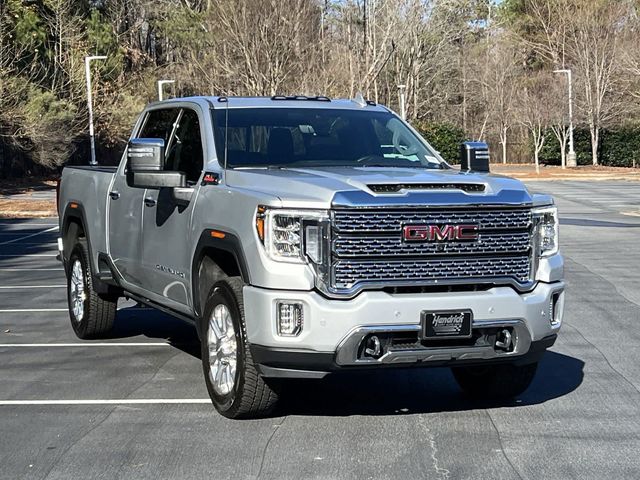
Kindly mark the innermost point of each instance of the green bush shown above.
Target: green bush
(618, 147)
(444, 137)
(550, 153)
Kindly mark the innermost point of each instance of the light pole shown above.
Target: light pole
(403, 112)
(87, 72)
(571, 158)
(161, 83)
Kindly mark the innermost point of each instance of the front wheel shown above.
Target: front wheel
(235, 387)
(495, 381)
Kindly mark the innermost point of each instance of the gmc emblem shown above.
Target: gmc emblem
(439, 233)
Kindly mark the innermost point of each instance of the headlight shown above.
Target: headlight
(546, 221)
(294, 236)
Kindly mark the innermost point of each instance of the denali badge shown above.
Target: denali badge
(438, 233)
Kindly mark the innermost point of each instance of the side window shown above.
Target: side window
(159, 124)
(184, 152)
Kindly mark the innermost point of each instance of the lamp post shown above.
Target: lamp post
(87, 72)
(571, 158)
(161, 83)
(403, 112)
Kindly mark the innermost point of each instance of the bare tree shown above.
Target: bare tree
(558, 117)
(593, 45)
(535, 105)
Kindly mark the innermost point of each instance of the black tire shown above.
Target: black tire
(99, 311)
(495, 381)
(251, 396)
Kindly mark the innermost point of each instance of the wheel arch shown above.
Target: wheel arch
(215, 258)
(73, 227)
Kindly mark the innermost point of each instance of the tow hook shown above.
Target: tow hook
(373, 347)
(504, 340)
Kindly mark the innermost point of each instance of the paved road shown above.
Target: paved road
(580, 419)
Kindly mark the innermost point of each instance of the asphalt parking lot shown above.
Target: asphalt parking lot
(135, 406)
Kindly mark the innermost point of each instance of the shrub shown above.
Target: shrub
(619, 147)
(444, 137)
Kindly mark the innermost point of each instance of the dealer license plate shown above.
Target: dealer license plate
(447, 324)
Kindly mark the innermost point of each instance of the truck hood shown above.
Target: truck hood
(374, 186)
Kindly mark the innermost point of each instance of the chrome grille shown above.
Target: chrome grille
(367, 247)
(393, 219)
(375, 246)
(348, 272)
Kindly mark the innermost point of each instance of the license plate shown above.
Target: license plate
(447, 324)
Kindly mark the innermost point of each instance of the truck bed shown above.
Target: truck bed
(88, 187)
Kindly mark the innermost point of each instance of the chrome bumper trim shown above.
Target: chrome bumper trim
(347, 352)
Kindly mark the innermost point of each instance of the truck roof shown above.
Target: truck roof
(297, 101)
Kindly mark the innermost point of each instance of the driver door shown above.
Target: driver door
(125, 204)
(166, 251)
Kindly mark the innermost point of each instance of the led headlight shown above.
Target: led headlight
(293, 236)
(546, 221)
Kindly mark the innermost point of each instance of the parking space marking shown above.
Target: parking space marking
(28, 236)
(40, 310)
(31, 269)
(31, 224)
(78, 344)
(31, 310)
(26, 287)
(31, 255)
(124, 401)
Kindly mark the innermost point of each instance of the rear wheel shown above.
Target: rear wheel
(92, 315)
(495, 381)
(235, 387)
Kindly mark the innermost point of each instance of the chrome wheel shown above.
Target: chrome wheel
(223, 350)
(77, 292)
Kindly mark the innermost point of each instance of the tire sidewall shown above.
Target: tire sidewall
(221, 293)
(79, 253)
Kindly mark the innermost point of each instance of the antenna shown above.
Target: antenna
(359, 99)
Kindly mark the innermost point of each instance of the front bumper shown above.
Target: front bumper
(334, 329)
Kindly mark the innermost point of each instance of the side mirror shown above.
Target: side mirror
(145, 165)
(145, 154)
(474, 156)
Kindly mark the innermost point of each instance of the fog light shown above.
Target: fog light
(289, 318)
(555, 309)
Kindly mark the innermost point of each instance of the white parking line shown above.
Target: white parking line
(60, 269)
(32, 224)
(28, 236)
(26, 287)
(78, 344)
(124, 401)
(29, 310)
(31, 255)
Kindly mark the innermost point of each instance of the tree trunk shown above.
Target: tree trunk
(595, 138)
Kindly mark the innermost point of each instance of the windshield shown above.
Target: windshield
(313, 137)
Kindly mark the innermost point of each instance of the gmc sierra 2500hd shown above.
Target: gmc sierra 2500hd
(303, 236)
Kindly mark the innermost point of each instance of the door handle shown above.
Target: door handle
(114, 195)
(149, 202)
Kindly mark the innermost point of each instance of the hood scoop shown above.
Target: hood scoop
(397, 187)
